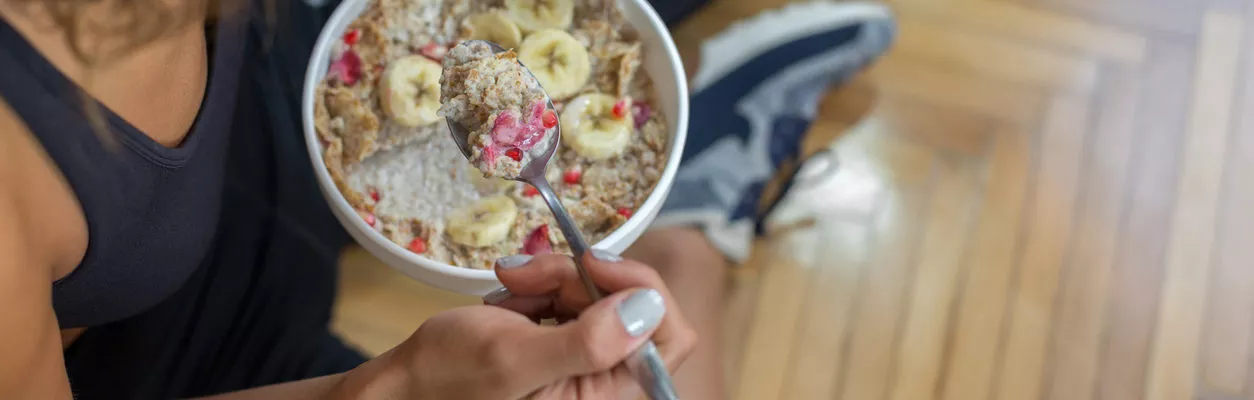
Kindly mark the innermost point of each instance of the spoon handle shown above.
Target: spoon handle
(646, 364)
(578, 245)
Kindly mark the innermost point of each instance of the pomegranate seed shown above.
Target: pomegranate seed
(530, 191)
(374, 194)
(418, 245)
(538, 242)
(489, 153)
(351, 37)
(434, 51)
(549, 119)
(368, 217)
(515, 154)
(621, 108)
(572, 176)
(640, 113)
(347, 69)
(625, 212)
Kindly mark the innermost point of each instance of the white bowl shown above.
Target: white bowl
(661, 62)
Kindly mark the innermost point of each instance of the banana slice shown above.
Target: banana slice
(493, 26)
(590, 127)
(410, 90)
(534, 15)
(557, 60)
(482, 223)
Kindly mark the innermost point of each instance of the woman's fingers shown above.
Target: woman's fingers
(555, 277)
(603, 337)
(534, 307)
(551, 275)
(675, 337)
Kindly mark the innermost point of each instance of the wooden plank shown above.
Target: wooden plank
(784, 284)
(1050, 229)
(994, 247)
(1173, 366)
(743, 293)
(1230, 313)
(946, 234)
(1078, 325)
(1038, 26)
(1137, 280)
(992, 57)
(880, 303)
(1004, 101)
(948, 129)
(821, 342)
(1160, 16)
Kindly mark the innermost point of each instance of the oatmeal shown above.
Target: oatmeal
(388, 150)
(500, 104)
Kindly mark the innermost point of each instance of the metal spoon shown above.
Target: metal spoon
(646, 365)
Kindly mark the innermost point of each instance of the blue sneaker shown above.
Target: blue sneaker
(754, 97)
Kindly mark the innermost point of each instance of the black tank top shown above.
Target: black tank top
(210, 267)
(151, 210)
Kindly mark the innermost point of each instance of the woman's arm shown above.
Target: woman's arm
(314, 388)
(30, 340)
(373, 380)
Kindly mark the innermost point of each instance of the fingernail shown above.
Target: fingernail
(606, 256)
(497, 296)
(641, 312)
(513, 261)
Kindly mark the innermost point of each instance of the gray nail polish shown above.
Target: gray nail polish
(513, 261)
(497, 296)
(642, 311)
(606, 256)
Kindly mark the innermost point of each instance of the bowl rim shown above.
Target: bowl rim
(679, 128)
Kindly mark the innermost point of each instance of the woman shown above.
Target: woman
(168, 235)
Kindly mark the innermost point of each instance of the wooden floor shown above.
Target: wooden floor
(1057, 211)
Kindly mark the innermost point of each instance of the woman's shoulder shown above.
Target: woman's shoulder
(32, 188)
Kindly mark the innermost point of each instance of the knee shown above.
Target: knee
(680, 254)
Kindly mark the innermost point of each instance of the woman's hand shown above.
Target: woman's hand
(501, 352)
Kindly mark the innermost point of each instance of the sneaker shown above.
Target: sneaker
(754, 97)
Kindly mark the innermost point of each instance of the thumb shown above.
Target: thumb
(601, 338)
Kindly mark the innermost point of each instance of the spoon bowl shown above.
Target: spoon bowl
(537, 165)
